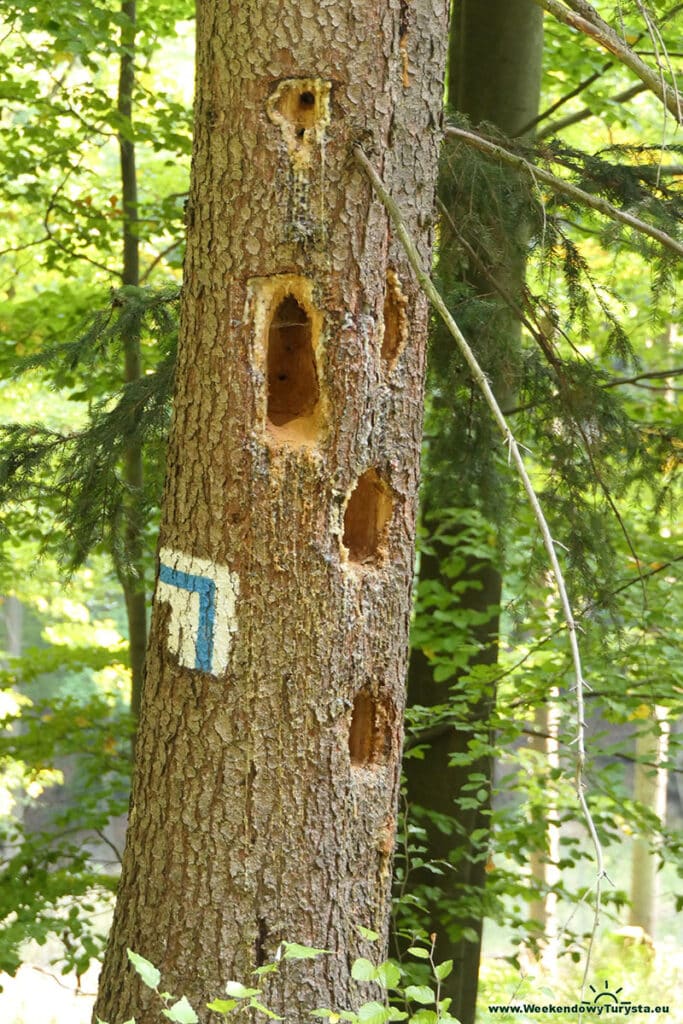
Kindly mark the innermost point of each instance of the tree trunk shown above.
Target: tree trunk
(13, 615)
(495, 57)
(543, 863)
(130, 569)
(649, 789)
(268, 750)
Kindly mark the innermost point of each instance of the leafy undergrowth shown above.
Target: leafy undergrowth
(622, 975)
(623, 980)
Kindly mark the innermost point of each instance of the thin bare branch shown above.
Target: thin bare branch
(586, 112)
(158, 258)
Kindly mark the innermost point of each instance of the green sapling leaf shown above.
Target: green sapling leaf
(239, 991)
(181, 1012)
(373, 1013)
(443, 970)
(363, 970)
(293, 951)
(255, 1005)
(424, 1017)
(388, 974)
(222, 1005)
(266, 969)
(420, 994)
(367, 933)
(147, 971)
(419, 952)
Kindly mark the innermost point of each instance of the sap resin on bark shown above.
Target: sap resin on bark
(300, 107)
(395, 320)
(203, 598)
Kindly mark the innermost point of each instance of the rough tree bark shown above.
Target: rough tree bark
(269, 742)
(494, 69)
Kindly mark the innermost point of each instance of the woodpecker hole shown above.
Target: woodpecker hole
(300, 107)
(293, 390)
(366, 520)
(395, 319)
(369, 735)
(288, 347)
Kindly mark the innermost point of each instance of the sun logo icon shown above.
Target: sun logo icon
(606, 995)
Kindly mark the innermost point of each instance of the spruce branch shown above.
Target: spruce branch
(515, 454)
(582, 16)
(559, 185)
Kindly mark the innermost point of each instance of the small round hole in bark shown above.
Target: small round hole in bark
(301, 103)
(369, 735)
(293, 389)
(366, 519)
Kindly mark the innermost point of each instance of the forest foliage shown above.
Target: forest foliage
(592, 394)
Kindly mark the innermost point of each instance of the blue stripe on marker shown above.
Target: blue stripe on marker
(206, 589)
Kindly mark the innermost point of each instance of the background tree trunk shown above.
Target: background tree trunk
(649, 789)
(543, 863)
(269, 743)
(494, 71)
(130, 562)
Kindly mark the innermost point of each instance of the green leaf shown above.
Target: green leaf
(181, 1012)
(239, 991)
(373, 1013)
(419, 952)
(293, 951)
(443, 970)
(367, 933)
(363, 970)
(388, 974)
(255, 1005)
(424, 1017)
(147, 971)
(222, 1005)
(420, 994)
(266, 969)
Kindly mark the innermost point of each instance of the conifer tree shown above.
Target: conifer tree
(268, 752)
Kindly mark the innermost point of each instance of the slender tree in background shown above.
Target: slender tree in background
(650, 789)
(130, 560)
(495, 60)
(268, 750)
